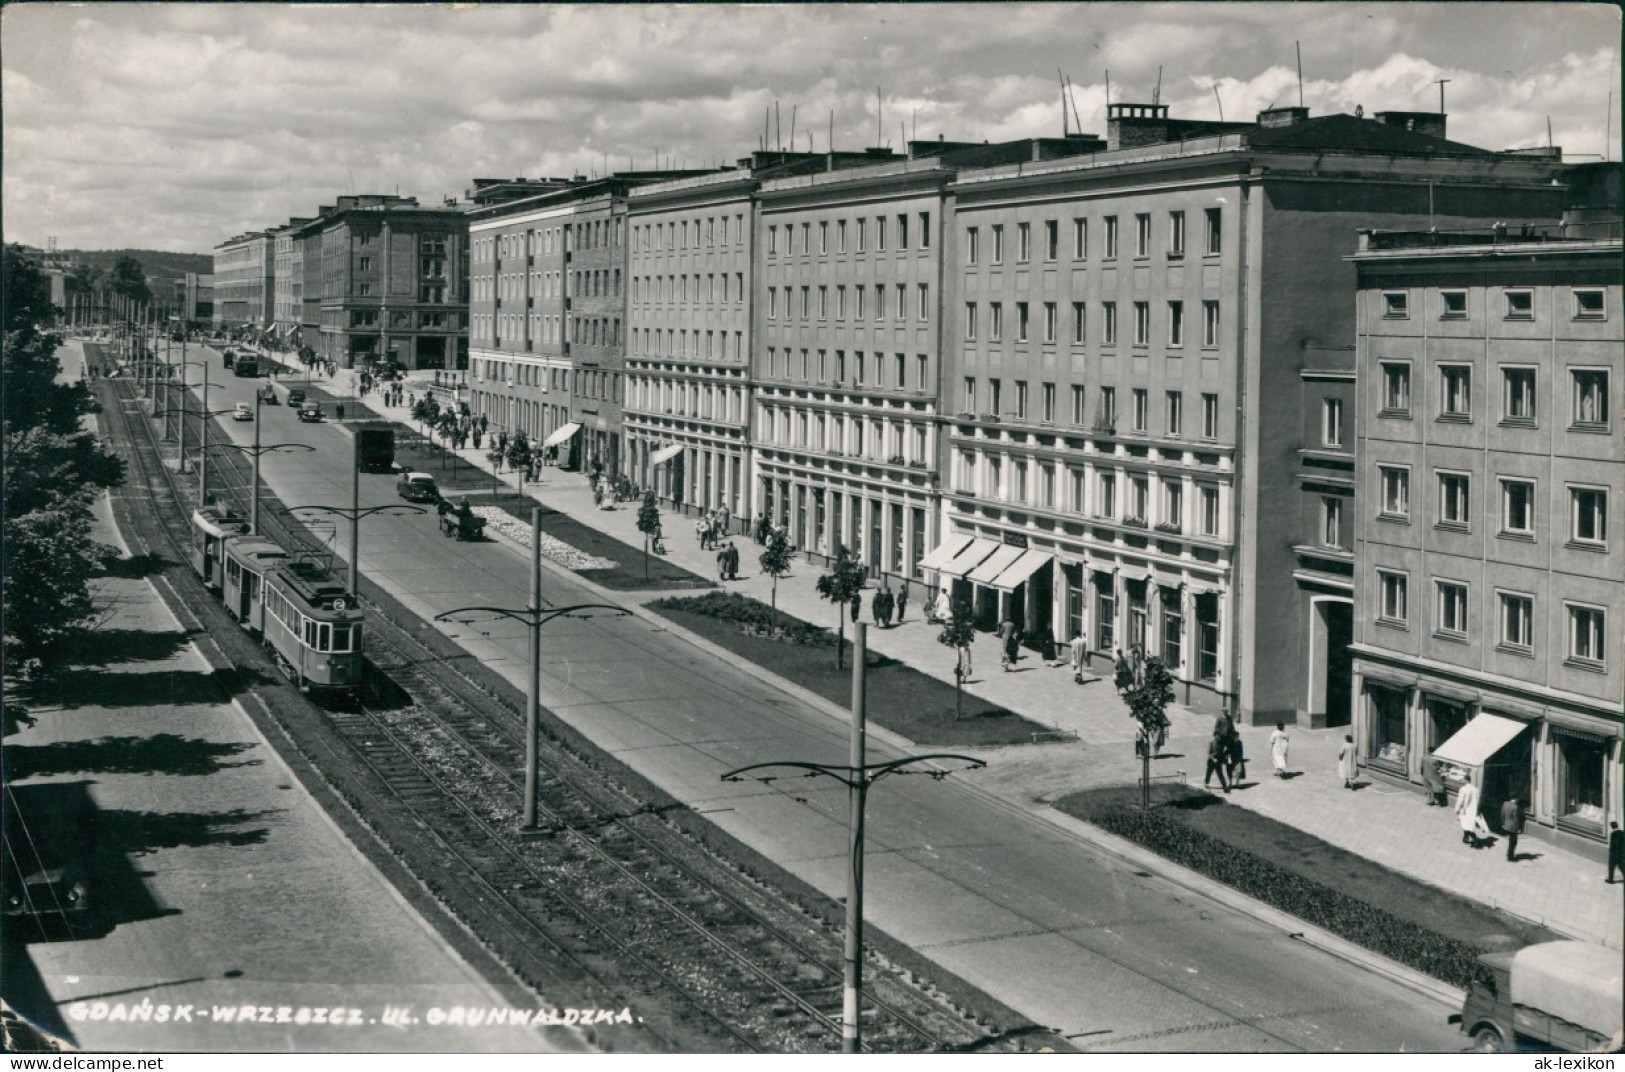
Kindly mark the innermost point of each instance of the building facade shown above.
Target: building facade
(1490, 599)
(243, 281)
(1151, 380)
(288, 278)
(596, 284)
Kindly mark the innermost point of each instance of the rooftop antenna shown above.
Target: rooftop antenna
(793, 108)
(778, 127)
(1299, 47)
(1108, 91)
(1066, 120)
(914, 124)
(1441, 82)
(767, 125)
(879, 116)
(1220, 102)
(1076, 118)
(832, 130)
(1156, 94)
(1607, 120)
(1548, 132)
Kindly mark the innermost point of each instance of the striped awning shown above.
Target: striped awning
(994, 564)
(1016, 574)
(950, 546)
(1475, 743)
(974, 554)
(561, 433)
(665, 454)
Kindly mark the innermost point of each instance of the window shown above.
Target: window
(1141, 404)
(1589, 399)
(1106, 501)
(1078, 395)
(1452, 305)
(823, 236)
(1392, 597)
(1176, 323)
(1396, 389)
(1021, 400)
(363, 264)
(1175, 412)
(1052, 239)
(1588, 305)
(840, 302)
(1518, 395)
(1331, 521)
(1214, 231)
(1080, 239)
(1176, 234)
(863, 231)
(1454, 504)
(1049, 403)
(1588, 630)
(923, 313)
(1210, 510)
(1021, 321)
(1139, 504)
(925, 230)
(840, 236)
(1210, 323)
(1210, 416)
(1173, 506)
(970, 320)
(1024, 242)
(1588, 516)
(995, 321)
(1142, 234)
(973, 244)
(1520, 304)
(1079, 322)
(969, 405)
(1518, 508)
(772, 303)
(858, 293)
(1396, 304)
(880, 234)
(902, 231)
(1396, 492)
(998, 243)
(1108, 323)
(1049, 321)
(1331, 422)
(995, 397)
(806, 302)
(1111, 238)
(880, 301)
(1455, 392)
(1106, 414)
(1450, 610)
(1142, 323)
(1517, 621)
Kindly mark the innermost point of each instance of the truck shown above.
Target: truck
(375, 448)
(1566, 995)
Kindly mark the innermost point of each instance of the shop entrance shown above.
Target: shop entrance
(1507, 774)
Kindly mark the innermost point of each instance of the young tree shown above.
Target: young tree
(776, 561)
(1148, 699)
(958, 633)
(519, 452)
(129, 281)
(843, 586)
(649, 525)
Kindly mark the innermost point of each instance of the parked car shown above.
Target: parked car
(46, 888)
(296, 397)
(242, 411)
(1565, 995)
(417, 487)
(311, 413)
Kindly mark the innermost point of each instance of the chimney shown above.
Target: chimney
(1128, 125)
(1420, 122)
(1281, 117)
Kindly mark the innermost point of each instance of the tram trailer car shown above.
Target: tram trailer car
(313, 626)
(211, 527)
(247, 560)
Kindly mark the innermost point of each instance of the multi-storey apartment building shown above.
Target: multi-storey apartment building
(243, 281)
(390, 282)
(288, 278)
(597, 285)
(1489, 607)
(1149, 377)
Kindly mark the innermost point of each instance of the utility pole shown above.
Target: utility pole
(858, 775)
(1441, 82)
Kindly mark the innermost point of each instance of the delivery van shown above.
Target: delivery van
(1563, 995)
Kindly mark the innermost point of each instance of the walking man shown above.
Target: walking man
(1010, 638)
(1216, 749)
(1080, 653)
(902, 600)
(733, 561)
(1512, 825)
(722, 564)
(1616, 851)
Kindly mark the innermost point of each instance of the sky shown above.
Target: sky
(177, 126)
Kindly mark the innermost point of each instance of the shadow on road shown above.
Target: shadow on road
(137, 566)
(163, 753)
(124, 689)
(104, 647)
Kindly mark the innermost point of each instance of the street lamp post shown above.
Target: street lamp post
(256, 450)
(858, 775)
(534, 617)
(354, 515)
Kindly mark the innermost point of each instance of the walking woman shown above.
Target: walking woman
(1345, 762)
(1279, 743)
(1467, 813)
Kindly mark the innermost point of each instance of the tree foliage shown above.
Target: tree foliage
(1149, 697)
(958, 632)
(649, 525)
(843, 586)
(776, 560)
(53, 469)
(128, 280)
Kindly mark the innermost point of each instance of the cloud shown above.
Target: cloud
(177, 125)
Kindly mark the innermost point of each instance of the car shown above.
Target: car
(296, 397)
(417, 487)
(242, 411)
(46, 889)
(310, 413)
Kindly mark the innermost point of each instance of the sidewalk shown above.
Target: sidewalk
(1550, 884)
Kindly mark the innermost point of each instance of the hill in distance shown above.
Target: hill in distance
(155, 263)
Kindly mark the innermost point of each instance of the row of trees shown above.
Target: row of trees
(54, 468)
(127, 280)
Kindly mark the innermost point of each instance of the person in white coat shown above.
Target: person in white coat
(1467, 813)
(1279, 743)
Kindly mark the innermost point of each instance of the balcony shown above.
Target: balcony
(1104, 426)
(1134, 522)
(1171, 528)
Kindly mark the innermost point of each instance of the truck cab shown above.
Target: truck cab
(1559, 995)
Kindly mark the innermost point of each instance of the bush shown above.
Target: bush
(743, 610)
(1448, 959)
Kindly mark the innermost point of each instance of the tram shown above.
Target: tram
(247, 560)
(310, 621)
(212, 526)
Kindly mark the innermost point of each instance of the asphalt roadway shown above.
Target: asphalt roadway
(1072, 936)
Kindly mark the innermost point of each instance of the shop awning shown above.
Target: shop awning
(946, 550)
(1016, 574)
(561, 433)
(665, 454)
(974, 554)
(994, 564)
(1476, 742)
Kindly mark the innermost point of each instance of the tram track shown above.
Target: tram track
(611, 897)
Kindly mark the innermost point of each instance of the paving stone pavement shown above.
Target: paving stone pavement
(1092, 740)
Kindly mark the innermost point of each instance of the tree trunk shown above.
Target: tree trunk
(646, 558)
(775, 602)
(840, 636)
(1145, 776)
(959, 690)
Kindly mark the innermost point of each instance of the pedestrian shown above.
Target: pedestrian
(699, 532)
(597, 495)
(1279, 743)
(1235, 759)
(733, 561)
(1215, 763)
(1467, 813)
(1512, 825)
(1122, 676)
(902, 600)
(1433, 783)
(339, 410)
(1346, 762)
(1616, 851)
(1010, 637)
(888, 604)
(962, 666)
(1136, 658)
(1080, 653)
(722, 564)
